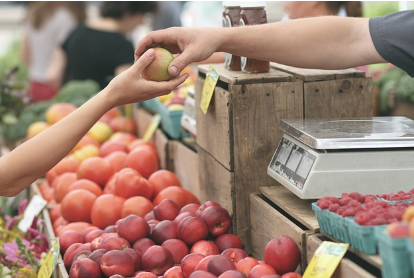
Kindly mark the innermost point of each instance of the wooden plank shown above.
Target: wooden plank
(185, 166)
(267, 223)
(346, 98)
(347, 268)
(308, 75)
(142, 118)
(60, 269)
(238, 77)
(214, 128)
(216, 182)
(161, 144)
(299, 209)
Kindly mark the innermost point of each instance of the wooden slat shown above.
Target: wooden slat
(185, 163)
(268, 223)
(142, 118)
(214, 128)
(161, 144)
(298, 208)
(238, 77)
(308, 75)
(343, 98)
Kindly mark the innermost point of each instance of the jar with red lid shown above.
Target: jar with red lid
(231, 18)
(253, 13)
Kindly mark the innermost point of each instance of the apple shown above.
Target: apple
(174, 272)
(163, 231)
(85, 268)
(177, 247)
(158, 69)
(226, 241)
(190, 262)
(141, 245)
(192, 229)
(201, 274)
(133, 228)
(261, 270)
(117, 262)
(235, 254)
(157, 260)
(232, 274)
(166, 210)
(220, 264)
(245, 265)
(282, 254)
(204, 247)
(218, 220)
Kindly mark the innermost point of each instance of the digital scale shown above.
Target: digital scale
(328, 157)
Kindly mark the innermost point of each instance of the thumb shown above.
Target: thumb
(180, 62)
(144, 60)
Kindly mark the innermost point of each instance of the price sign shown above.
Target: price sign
(155, 122)
(325, 260)
(33, 209)
(212, 77)
(50, 262)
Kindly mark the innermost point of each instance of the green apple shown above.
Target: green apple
(158, 69)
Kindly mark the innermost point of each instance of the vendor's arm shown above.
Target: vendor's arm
(323, 42)
(32, 159)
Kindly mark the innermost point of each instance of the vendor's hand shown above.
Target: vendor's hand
(192, 45)
(130, 87)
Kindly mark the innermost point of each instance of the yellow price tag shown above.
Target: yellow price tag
(155, 122)
(208, 89)
(46, 269)
(325, 260)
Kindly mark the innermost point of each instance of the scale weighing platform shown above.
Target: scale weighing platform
(328, 157)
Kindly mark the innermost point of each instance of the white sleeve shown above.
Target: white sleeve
(63, 23)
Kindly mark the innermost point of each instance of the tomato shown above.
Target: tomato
(112, 146)
(106, 210)
(117, 160)
(162, 179)
(123, 124)
(88, 185)
(95, 169)
(137, 205)
(54, 213)
(59, 223)
(76, 206)
(177, 194)
(144, 160)
(137, 142)
(76, 226)
(61, 185)
(67, 164)
(130, 183)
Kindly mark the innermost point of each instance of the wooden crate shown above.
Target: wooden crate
(351, 265)
(240, 131)
(268, 222)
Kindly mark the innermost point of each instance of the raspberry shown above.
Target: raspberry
(333, 207)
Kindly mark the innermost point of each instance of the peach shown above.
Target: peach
(72, 251)
(272, 276)
(89, 237)
(245, 265)
(226, 241)
(207, 204)
(192, 229)
(201, 274)
(232, 274)
(163, 231)
(177, 247)
(109, 147)
(261, 270)
(157, 260)
(174, 272)
(217, 219)
(204, 247)
(291, 275)
(141, 245)
(190, 262)
(235, 254)
(136, 256)
(114, 243)
(133, 228)
(96, 255)
(220, 264)
(158, 69)
(85, 268)
(68, 238)
(117, 262)
(282, 254)
(145, 274)
(166, 210)
(202, 265)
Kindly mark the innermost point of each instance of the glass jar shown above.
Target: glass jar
(231, 18)
(253, 13)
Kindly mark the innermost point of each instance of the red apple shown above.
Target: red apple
(166, 210)
(133, 228)
(220, 264)
(282, 254)
(235, 254)
(232, 274)
(85, 268)
(114, 243)
(192, 229)
(157, 260)
(163, 231)
(217, 219)
(245, 265)
(261, 270)
(204, 247)
(177, 247)
(226, 241)
(174, 272)
(158, 69)
(117, 262)
(189, 263)
(141, 245)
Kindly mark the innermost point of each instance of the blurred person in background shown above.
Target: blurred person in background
(46, 26)
(100, 49)
(168, 15)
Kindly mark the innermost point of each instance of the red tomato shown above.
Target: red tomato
(106, 210)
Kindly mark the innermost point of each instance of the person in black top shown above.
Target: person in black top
(100, 49)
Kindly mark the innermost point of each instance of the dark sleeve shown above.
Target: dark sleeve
(393, 38)
(124, 54)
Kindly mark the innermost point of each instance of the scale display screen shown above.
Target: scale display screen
(292, 162)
